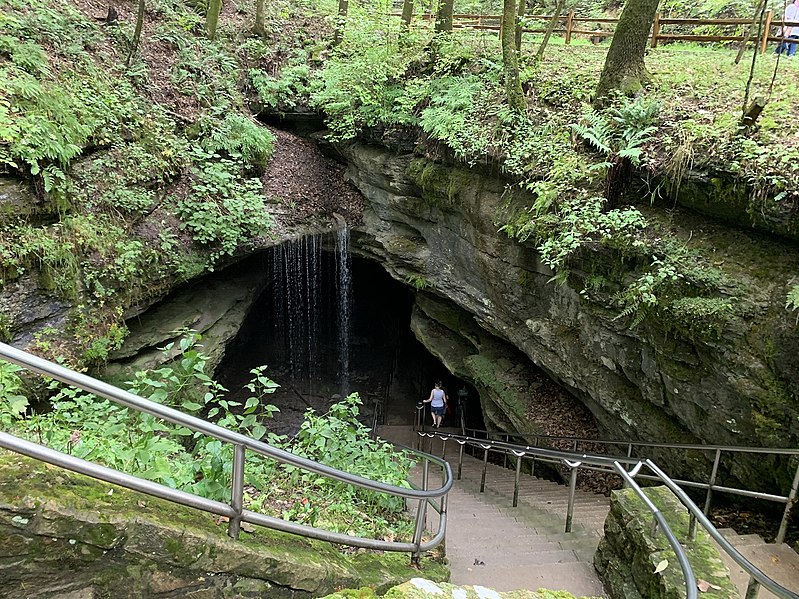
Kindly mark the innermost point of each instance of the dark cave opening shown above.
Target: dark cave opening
(294, 327)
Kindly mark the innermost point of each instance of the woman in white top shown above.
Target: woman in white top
(438, 402)
(791, 14)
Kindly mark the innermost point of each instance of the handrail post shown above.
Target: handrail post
(421, 517)
(572, 489)
(655, 30)
(713, 474)
(692, 527)
(237, 492)
(766, 30)
(485, 466)
(569, 27)
(444, 449)
(516, 481)
(460, 460)
(752, 588)
(505, 453)
(788, 507)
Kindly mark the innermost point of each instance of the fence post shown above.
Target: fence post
(766, 30)
(569, 25)
(656, 30)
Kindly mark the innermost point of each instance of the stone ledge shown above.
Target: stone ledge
(628, 555)
(64, 535)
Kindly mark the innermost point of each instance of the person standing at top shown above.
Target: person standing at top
(791, 14)
(438, 402)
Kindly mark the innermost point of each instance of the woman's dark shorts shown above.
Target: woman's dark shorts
(438, 411)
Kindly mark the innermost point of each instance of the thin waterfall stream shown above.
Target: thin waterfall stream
(344, 278)
(302, 308)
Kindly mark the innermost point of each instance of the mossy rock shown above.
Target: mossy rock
(629, 559)
(61, 528)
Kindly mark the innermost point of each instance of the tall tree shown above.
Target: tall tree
(510, 58)
(444, 15)
(624, 68)
(259, 29)
(212, 17)
(134, 43)
(407, 12)
(343, 8)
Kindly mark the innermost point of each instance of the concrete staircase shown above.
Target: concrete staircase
(505, 548)
(780, 562)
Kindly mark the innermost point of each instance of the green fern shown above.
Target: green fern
(598, 133)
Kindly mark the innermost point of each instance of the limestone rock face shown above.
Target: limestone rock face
(68, 536)
(214, 307)
(433, 227)
(420, 588)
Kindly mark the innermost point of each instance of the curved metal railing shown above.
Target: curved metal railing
(710, 486)
(629, 469)
(241, 443)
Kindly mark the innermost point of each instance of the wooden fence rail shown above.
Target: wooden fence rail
(570, 27)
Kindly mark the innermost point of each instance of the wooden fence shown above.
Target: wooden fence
(571, 25)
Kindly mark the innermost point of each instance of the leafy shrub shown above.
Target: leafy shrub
(241, 139)
(222, 209)
(99, 430)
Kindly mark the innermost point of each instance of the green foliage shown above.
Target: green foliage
(356, 88)
(699, 318)
(621, 131)
(339, 440)
(99, 430)
(239, 138)
(418, 282)
(792, 300)
(223, 209)
(287, 90)
(13, 404)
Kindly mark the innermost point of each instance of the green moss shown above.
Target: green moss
(698, 318)
(629, 553)
(441, 185)
(486, 373)
(78, 520)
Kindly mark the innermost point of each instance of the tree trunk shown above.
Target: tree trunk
(343, 8)
(510, 58)
(518, 31)
(212, 17)
(624, 68)
(259, 29)
(407, 12)
(550, 28)
(444, 15)
(134, 43)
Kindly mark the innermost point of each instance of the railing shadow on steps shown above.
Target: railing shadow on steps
(235, 511)
(628, 469)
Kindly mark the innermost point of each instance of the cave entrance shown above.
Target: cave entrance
(319, 303)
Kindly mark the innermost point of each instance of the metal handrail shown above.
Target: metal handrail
(754, 572)
(709, 486)
(687, 571)
(730, 448)
(628, 469)
(234, 511)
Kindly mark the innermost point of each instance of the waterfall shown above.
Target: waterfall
(303, 278)
(344, 295)
(297, 285)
